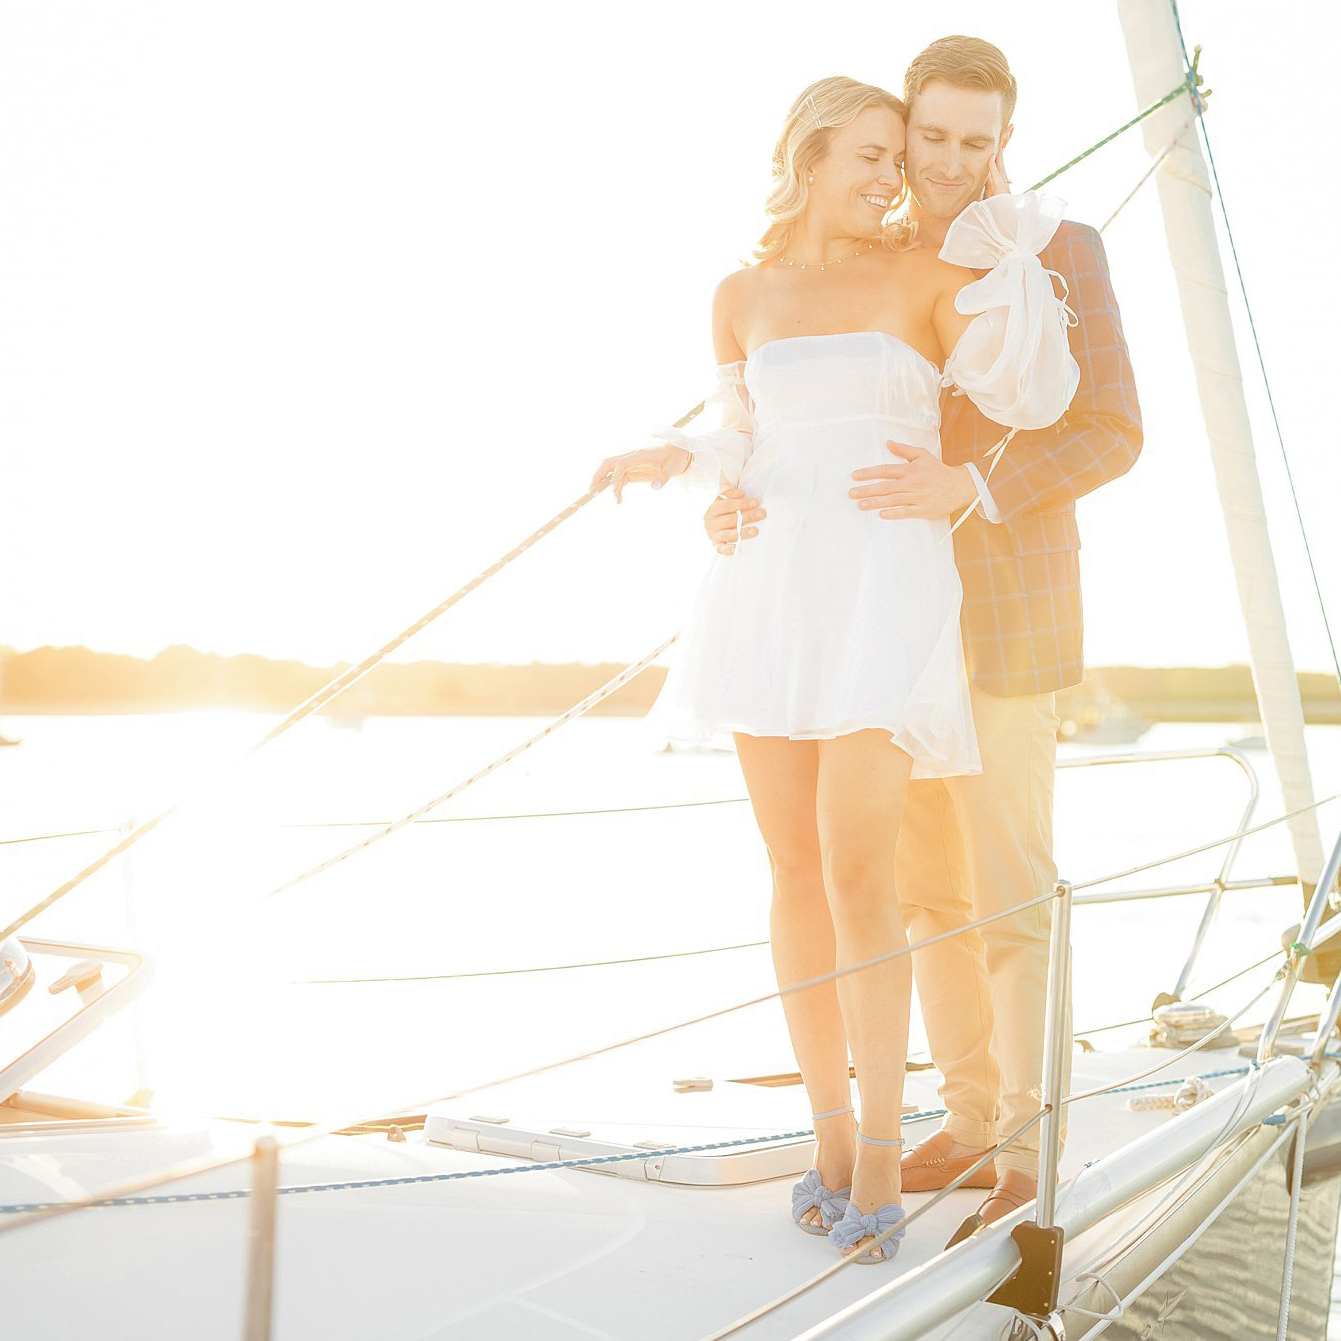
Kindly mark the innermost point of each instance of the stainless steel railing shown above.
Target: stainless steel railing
(1305, 943)
(1057, 1044)
(1217, 887)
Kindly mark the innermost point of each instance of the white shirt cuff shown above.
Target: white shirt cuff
(989, 508)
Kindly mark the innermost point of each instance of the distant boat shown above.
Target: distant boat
(1101, 718)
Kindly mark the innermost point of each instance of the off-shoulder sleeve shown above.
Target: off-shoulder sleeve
(720, 437)
(1014, 361)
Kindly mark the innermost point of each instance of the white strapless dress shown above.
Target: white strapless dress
(833, 619)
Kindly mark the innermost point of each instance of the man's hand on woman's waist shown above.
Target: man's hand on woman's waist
(920, 484)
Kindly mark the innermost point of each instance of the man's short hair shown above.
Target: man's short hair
(963, 62)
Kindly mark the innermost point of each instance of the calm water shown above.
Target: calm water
(229, 1025)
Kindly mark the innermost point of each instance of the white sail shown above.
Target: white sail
(1155, 55)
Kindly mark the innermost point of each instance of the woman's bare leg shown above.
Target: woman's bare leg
(781, 777)
(861, 788)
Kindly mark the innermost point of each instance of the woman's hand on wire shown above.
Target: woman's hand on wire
(650, 465)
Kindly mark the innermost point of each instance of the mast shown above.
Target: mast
(1156, 58)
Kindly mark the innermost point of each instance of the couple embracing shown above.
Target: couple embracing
(916, 381)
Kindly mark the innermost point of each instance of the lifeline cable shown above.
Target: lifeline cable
(326, 694)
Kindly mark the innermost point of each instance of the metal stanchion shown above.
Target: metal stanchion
(1266, 1044)
(143, 1095)
(261, 1240)
(1032, 1290)
(1056, 1043)
(1327, 1020)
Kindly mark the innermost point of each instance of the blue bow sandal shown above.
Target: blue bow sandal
(854, 1226)
(811, 1192)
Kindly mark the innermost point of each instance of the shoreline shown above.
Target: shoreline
(72, 681)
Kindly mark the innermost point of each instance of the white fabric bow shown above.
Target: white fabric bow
(1013, 361)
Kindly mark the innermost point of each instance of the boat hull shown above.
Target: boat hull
(1228, 1283)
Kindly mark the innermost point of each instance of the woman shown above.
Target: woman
(829, 647)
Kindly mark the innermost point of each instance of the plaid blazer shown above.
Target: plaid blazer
(1021, 576)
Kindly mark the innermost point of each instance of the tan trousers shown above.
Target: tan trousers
(970, 846)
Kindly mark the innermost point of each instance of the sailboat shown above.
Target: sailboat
(1198, 1195)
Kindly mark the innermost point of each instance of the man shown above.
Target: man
(972, 846)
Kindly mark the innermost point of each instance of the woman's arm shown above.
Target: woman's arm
(703, 457)
(728, 307)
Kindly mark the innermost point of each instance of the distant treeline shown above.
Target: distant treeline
(79, 680)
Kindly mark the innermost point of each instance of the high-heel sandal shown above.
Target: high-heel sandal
(810, 1192)
(854, 1226)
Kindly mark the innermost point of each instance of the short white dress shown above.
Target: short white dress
(833, 619)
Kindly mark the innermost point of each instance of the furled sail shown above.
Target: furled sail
(1154, 51)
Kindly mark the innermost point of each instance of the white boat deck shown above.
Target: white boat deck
(551, 1255)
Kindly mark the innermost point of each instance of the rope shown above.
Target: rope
(47, 837)
(1179, 856)
(1190, 1093)
(1206, 847)
(630, 672)
(542, 968)
(407, 1180)
(526, 815)
(437, 819)
(1257, 343)
(1148, 173)
(1126, 126)
(1292, 1229)
(326, 694)
(1202, 1042)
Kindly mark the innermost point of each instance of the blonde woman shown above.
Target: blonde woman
(829, 647)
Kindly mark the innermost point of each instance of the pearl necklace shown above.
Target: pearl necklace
(820, 265)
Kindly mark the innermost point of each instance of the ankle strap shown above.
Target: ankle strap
(871, 1140)
(833, 1113)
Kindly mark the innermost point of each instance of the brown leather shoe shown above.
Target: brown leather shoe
(928, 1166)
(1013, 1190)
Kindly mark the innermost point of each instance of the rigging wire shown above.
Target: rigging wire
(1199, 104)
(48, 837)
(1148, 173)
(1206, 847)
(1196, 996)
(629, 673)
(326, 694)
(542, 968)
(1126, 126)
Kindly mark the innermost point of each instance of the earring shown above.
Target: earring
(811, 179)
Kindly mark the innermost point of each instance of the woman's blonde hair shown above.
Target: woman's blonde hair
(821, 108)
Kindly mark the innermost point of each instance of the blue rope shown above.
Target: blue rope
(1257, 344)
(234, 1194)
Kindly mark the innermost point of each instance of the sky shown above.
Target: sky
(312, 311)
